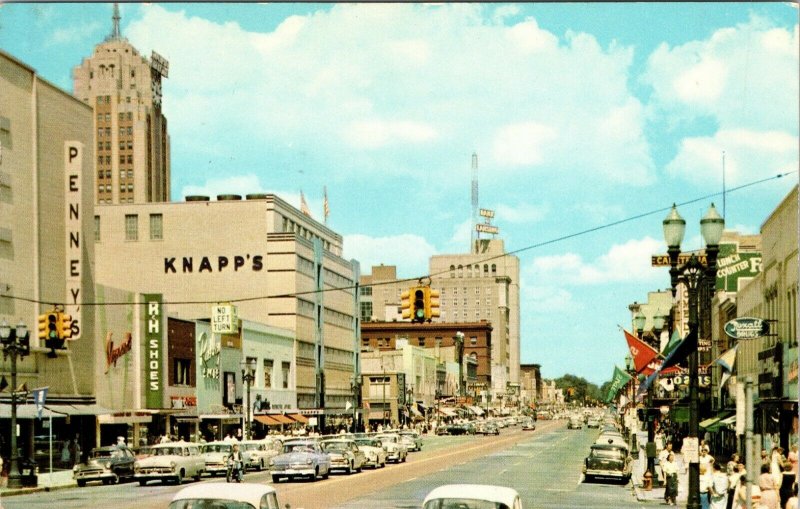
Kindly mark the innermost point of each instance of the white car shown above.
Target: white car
(395, 449)
(173, 461)
(373, 451)
(472, 495)
(215, 455)
(240, 496)
(257, 453)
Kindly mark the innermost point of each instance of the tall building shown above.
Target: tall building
(131, 141)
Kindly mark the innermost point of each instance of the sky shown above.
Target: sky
(582, 116)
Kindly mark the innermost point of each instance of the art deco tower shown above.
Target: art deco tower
(132, 144)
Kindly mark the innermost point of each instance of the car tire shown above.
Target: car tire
(276, 479)
(81, 483)
(198, 476)
(261, 465)
(142, 482)
(179, 478)
(327, 473)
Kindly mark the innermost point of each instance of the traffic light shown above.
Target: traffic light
(405, 304)
(43, 328)
(431, 303)
(418, 304)
(64, 326)
(53, 341)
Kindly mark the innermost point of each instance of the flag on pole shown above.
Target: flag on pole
(681, 351)
(326, 210)
(674, 341)
(348, 405)
(39, 399)
(641, 352)
(726, 362)
(304, 205)
(618, 381)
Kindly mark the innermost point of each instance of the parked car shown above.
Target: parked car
(257, 454)
(612, 439)
(374, 453)
(412, 440)
(223, 495)
(472, 495)
(106, 464)
(215, 455)
(529, 425)
(300, 458)
(487, 428)
(395, 450)
(592, 422)
(345, 454)
(607, 460)
(574, 423)
(173, 461)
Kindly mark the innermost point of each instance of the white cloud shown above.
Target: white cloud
(75, 33)
(548, 299)
(520, 213)
(749, 155)
(410, 253)
(622, 263)
(460, 74)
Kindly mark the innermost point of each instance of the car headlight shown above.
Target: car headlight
(107, 467)
(75, 468)
(136, 465)
(308, 461)
(271, 462)
(172, 465)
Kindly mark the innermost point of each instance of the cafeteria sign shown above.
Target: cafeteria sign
(747, 328)
(224, 319)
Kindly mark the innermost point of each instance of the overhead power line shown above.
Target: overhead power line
(427, 276)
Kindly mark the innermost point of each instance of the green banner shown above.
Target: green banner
(154, 379)
(618, 381)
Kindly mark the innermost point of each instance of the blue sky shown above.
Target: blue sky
(581, 115)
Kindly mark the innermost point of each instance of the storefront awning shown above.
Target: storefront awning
(729, 421)
(450, 412)
(414, 410)
(222, 417)
(476, 410)
(126, 417)
(282, 419)
(302, 419)
(266, 420)
(29, 411)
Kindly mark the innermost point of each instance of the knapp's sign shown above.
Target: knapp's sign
(747, 328)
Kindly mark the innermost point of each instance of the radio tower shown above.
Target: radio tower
(475, 235)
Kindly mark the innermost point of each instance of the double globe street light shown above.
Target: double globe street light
(700, 281)
(16, 343)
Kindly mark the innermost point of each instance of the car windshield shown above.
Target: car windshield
(463, 503)
(388, 438)
(334, 446)
(209, 503)
(298, 448)
(606, 454)
(216, 448)
(104, 454)
(368, 442)
(251, 447)
(167, 451)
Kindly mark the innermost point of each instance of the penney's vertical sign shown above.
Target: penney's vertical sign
(73, 162)
(153, 341)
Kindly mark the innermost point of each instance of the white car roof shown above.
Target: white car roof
(487, 492)
(244, 492)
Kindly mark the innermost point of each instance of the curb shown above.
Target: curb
(25, 491)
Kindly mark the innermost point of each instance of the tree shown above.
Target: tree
(578, 389)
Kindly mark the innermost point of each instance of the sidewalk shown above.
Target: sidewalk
(46, 482)
(656, 494)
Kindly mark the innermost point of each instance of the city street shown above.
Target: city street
(544, 466)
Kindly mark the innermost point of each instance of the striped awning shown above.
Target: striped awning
(302, 419)
(266, 420)
(282, 419)
(450, 412)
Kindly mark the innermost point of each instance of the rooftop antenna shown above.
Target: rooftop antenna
(723, 184)
(115, 18)
(475, 234)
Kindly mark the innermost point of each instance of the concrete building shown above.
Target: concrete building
(46, 253)
(482, 285)
(276, 264)
(530, 384)
(132, 154)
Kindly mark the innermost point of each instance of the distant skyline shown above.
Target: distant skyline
(582, 115)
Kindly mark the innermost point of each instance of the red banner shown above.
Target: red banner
(642, 353)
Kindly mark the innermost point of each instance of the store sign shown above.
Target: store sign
(486, 228)
(770, 379)
(747, 328)
(73, 163)
(210, 264)
(115, 352)
(733, 264)
(154, 383)
(224, 319)
(208, 349)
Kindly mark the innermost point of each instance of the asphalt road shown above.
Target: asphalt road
(544, 466)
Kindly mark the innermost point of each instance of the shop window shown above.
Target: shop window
(267, 373)
(285, 368)
(131, 227)
(181, 371)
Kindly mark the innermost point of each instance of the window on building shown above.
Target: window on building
(128, 99)
(366, 311)
(473, 341)
(122, 174)
(366, 290)
(121, 133)
(421, 341)
(130, 115)
(267, 373)
(494, 269)
(108, 174)
(122, 188)
(130, 187)
(108, 131)
(452, 271)
(100, 174)
(122, 145)
(100, 132)
(285, 368)
(131, 227)
(97, 228)
(108, 145)
(181, 371)
(99, 117)
(130, 159)
(108, 159)
(121, 116)
(130, 174)
(99, 159)
(455, 291)
(108, 188)
(130, 130)
(156, 225)
(130, 145)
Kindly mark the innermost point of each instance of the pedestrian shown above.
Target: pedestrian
(670, 470)
(764, 457)
(792, 458)
(718, 494)
(770, 499)
(787, 483)
(776, 461)
(662, 457)
(733, 483)
(731, 466)
(792, 502)
(740, 500)
(66, 455)
(74, 451)
(706, 478)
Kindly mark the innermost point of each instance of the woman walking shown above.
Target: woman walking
(670, 470)
(769, 494)
(718, 494)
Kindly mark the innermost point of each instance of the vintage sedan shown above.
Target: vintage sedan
(472, 495)
(345, 454)
(529, 425)
(395, 449)
(487, 428)
(106, 464)
(257, 453)
(374, 452)
(172, 461)
(574, 422)
(224, 496)
(300, 458)
(215, 455)
(413, 438)
(607, 460)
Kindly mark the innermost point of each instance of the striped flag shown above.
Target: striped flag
(726, 362)
(304, 205)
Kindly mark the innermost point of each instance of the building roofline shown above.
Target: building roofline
(39, 78)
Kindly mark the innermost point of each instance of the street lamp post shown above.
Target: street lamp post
(701, 283)
(248, 376)
(14, 341)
